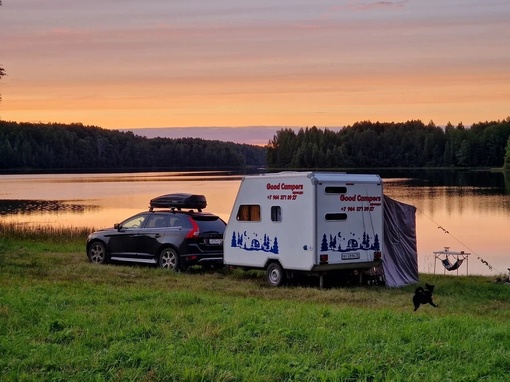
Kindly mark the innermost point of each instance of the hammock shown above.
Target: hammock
(451, 267)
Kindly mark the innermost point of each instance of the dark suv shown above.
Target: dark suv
(165, 235)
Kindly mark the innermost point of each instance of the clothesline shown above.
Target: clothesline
(483, 261)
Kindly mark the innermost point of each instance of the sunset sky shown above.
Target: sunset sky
(125, 64)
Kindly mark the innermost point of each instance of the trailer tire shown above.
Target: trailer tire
(275, 274)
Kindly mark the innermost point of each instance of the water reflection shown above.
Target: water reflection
(484, 181)
(27, 207)
(109, 198)
(138, 177)
(473, 207)
(465, 211)
(449, 199)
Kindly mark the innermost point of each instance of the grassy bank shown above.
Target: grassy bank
(62, 318)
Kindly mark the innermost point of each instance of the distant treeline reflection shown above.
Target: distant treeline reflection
(21, 206)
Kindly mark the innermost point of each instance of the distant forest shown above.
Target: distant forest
(47, 147)
(409, 144)
(36, 146)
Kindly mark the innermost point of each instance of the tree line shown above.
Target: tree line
(75, 146)
(407, 144)
(37, 146)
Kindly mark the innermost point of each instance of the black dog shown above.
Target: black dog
(423, 296)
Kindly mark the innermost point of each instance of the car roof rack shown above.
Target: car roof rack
(179, 201)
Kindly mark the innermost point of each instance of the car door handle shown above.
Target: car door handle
(157, 235)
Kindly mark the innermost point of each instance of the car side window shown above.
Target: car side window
(177, 221)
(162, 222)
(156, 221)
(134, 222)
(165, 221)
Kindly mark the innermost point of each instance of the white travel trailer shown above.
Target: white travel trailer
(311, 222)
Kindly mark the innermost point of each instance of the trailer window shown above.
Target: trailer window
(335, 190)
(336, 217)
(276, 214)
(249, 213)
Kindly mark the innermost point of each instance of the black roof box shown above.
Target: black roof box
(179, 201)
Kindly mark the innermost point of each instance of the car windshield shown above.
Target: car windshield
(134, 222)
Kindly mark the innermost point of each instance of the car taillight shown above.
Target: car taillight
(377, 255)
(194, 230)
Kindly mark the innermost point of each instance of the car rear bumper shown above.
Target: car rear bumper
(201, 259)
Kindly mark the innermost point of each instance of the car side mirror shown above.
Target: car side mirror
(117, 226)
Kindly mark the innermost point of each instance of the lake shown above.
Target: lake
(464, 210)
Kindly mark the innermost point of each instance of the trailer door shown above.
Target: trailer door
(349, 222)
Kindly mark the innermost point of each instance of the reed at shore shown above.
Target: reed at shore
(43, 232)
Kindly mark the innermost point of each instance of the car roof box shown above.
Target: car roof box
(179, 201)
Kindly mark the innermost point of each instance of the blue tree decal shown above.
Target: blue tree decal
(364, 243)
(275, 246)
(324, 245)
(253, 242)
(266, 242)
(376, 243)
(233, 243)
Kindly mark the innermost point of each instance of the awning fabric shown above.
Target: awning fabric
(400, 255)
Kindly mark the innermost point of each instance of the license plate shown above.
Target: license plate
(350, 256)
(215, 241)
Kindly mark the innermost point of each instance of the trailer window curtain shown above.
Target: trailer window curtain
(249, 213)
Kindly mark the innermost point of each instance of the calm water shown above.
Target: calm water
(467, 211)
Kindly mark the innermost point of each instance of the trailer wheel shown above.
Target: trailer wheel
(275, 275)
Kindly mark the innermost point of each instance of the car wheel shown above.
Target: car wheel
(275, 275)
(97, 253)
(169, 259)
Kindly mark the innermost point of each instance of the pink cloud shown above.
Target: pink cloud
(369, 5)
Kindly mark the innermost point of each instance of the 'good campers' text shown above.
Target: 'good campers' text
(360, 198)
(283, 186)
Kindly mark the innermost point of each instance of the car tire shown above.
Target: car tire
(275, 275)
(97, 253)
(169, 259)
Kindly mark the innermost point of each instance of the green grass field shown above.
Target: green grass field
(63, 319)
